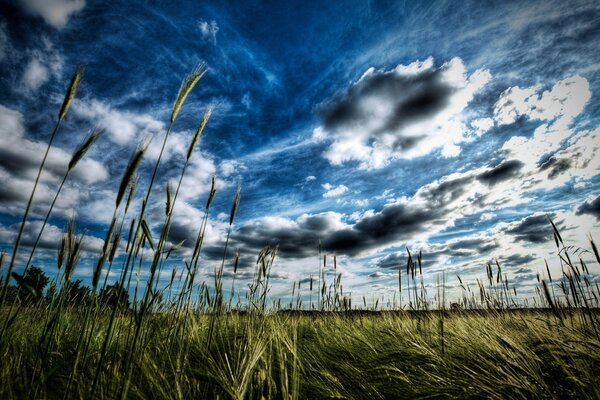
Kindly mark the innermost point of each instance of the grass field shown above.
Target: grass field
(189, 339)
(519, 354)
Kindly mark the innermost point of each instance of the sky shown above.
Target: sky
(358, 128)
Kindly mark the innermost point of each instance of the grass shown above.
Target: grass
(378, 355)
(186, 339)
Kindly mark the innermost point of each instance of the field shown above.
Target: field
(188, 339)
(462, 354)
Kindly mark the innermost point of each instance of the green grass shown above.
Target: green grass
(522, 354)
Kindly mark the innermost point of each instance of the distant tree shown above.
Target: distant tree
(77, 294)
(30, 286)
(113, 294)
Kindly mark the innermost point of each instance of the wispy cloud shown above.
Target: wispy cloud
(208, 30)
(334, 191)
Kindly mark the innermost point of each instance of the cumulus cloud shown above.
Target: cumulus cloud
(556, 108)
(452, 251)
(501, 172)
(482, 125)
(49, 240)
(591, 207)
(208, 30)
(533, 229)
(333, 191)
(437, 205)
(55, 12)
(561, 104)
(122, 127)
(406, 112)
(19, 162)
(430, 209)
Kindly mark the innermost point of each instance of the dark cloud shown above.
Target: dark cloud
(459, 250)
(443, 194)
(501, 172)
(555, 166)
(471, 247)
(395, 222)
(391, 261)
(590, 207)
(301, 239)
(532, 229)
(412, 98)
(516, 260)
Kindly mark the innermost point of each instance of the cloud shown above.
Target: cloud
(561, 104)
(310, 178)
(209, 30)
(591, 207)
(482, 125)
(556, 107)
(35, 75)
(44, 63)
(533, 229)
(516, 260)
(296, 238)
(433, 207)
(197, 178)
(406, 112)
(122, 127)
(19, 162)
(331, 191)
(55, 12)
(501, 172)
(436, 206)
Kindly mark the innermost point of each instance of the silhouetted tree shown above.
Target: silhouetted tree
(30, 286)
(77, 294)
(113, 293)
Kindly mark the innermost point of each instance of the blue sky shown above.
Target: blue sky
(367, 126)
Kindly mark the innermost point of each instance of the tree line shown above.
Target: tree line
(34, 286)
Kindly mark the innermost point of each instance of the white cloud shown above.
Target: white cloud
(482, 125)
(559, 105)
(208, 30)
(406, 112)
(19, 162)
(310, 178)
(55, 12)
(487, 216)
(44, 63)
(35, 75)
(198, 177)
(556, 107)
(122, 127)
(331, 191)
(230, 167)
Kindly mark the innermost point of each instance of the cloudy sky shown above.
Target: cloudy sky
(365, 126)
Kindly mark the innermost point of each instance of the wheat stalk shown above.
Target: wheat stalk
(71, 91)
(186, 87)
